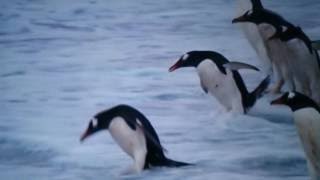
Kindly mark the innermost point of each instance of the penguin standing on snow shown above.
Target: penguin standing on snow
(306, 115)
(134, 134)
(220, 78)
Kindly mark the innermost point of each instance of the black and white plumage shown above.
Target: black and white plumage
(292, 32)
(253, 34)
(275, 49)
(134, 134)
(305, 64)
(220, 78)
(306, 115)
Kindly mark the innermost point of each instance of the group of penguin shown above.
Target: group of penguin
(219, 77)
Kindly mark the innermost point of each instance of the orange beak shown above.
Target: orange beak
(174, 67)
(84, 136)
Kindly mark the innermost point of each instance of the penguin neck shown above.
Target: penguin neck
(215, 57)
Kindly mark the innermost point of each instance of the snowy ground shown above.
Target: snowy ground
(63, 61)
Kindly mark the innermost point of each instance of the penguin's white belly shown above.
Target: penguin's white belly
(133, 142)
(307, 121)
(307, 68)
(278, 54)
(221, 86)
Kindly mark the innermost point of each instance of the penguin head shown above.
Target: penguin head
(249, 16)
(287, 34)
(95, 125)
(190, 59)
(295, 101)
(293, 32)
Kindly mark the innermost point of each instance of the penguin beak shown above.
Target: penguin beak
(278, 101)
(174, 67)
(85, 135)
(239, 19)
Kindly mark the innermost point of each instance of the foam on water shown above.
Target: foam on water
(61, 63)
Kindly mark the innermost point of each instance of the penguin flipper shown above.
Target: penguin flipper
(172, 163)
(133, 124)
(151, 138)
(234, 66)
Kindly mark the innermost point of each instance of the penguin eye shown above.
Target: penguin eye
(291, 95)
(185, 57)
(94, 122)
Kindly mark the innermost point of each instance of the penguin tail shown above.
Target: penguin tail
(171, 163)
(258, 92)
(166, 162)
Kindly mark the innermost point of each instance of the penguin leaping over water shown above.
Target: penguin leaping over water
(134, 134)
(258, 15)
(306, 115)
(253, 34)
(268, 24)
(220, 78)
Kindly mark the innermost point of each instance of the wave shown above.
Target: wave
(14, 151)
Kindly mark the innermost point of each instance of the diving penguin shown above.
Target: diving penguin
(134, 134)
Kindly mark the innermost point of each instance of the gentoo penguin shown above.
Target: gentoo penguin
(276, 49)
(253, 34)
(307, 65)
(220, 78)
(134, 134)
(306, 115)
(292, 32)
(259, 15)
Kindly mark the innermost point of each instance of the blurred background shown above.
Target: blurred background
(63, 61)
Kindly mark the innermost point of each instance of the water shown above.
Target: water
(61, 62)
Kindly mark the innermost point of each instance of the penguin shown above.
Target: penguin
(259, 15)
(293, 32)
(306, 116)
(277, 51)
(133, 132)
(253, 34)
(307, 65)
(220, 78)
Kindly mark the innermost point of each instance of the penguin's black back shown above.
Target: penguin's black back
(155, 152)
